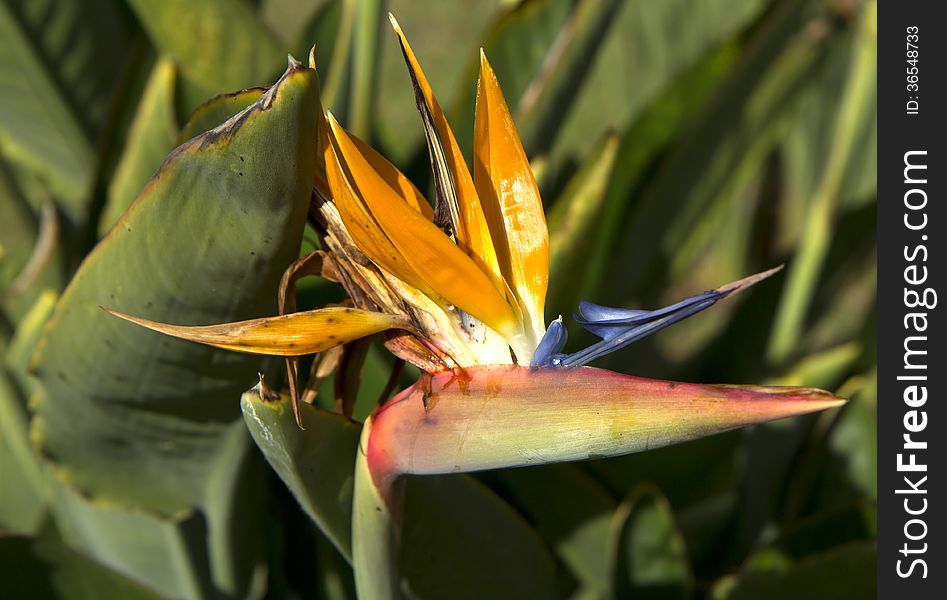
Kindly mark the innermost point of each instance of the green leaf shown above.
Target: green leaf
(316, 464)
(648, 556)
(760, 89)
(217, 110)
(152, 134)
(188, 555)
(22, 495)
(237, 195)
(641, 146)
(856, 103)
(39, 568)
(288, 18)
(59, 64)
(574, 520)
(844, 572)
(648, 46)
(574, 224)
(559, 80)
(17, 229)
(460, 540)
(366, 29)
(131, 418)
(518, 43)
(220, 45)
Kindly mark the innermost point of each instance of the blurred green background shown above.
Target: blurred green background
(679, 144)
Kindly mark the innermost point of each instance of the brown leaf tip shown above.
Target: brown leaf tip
(263, 391)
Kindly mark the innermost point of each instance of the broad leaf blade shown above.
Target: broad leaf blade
(58, 66)
(217, 110)
(38, 568)
(648, 554)
(132, 418)
(221, 45)
(152, 134)
(317, 464)
(461, 541)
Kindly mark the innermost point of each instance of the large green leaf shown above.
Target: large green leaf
(641, 146)
(760, 88)
(24, 490)
(22, 495)
(847, 571)
(220, 45)
(39, 568)
(574, 519)
(17, 229)
(855, 105)
(59, 63)
(459, 539)
(316, 463)
(218, 109)
(648, 556)
(574, 225)
(169, 555)
(648, 46)
(133, 419)
(206, 242)
(152, 134)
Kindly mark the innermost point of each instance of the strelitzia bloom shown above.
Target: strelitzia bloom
(459, 290)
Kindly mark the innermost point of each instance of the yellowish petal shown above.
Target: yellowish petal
(511, 201)
(473, 233)
(427, 250)
(295, 334)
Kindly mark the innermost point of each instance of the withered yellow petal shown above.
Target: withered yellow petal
(510, 200)
(295, 334)
(473, 233)
(428, 251)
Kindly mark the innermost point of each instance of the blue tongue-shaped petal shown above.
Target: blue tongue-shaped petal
(619, 327)
(607, 323)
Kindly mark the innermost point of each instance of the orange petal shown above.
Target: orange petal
(365, 231)
(473, 233)
(511, 200)
(295, 334)
(430, 254)
(394, 178)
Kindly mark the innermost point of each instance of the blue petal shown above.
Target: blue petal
(607, 322)
(617, 336)
(590, 311)
(547, 353)
(619, 327)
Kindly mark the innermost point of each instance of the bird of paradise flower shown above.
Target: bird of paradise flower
(459, 291)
